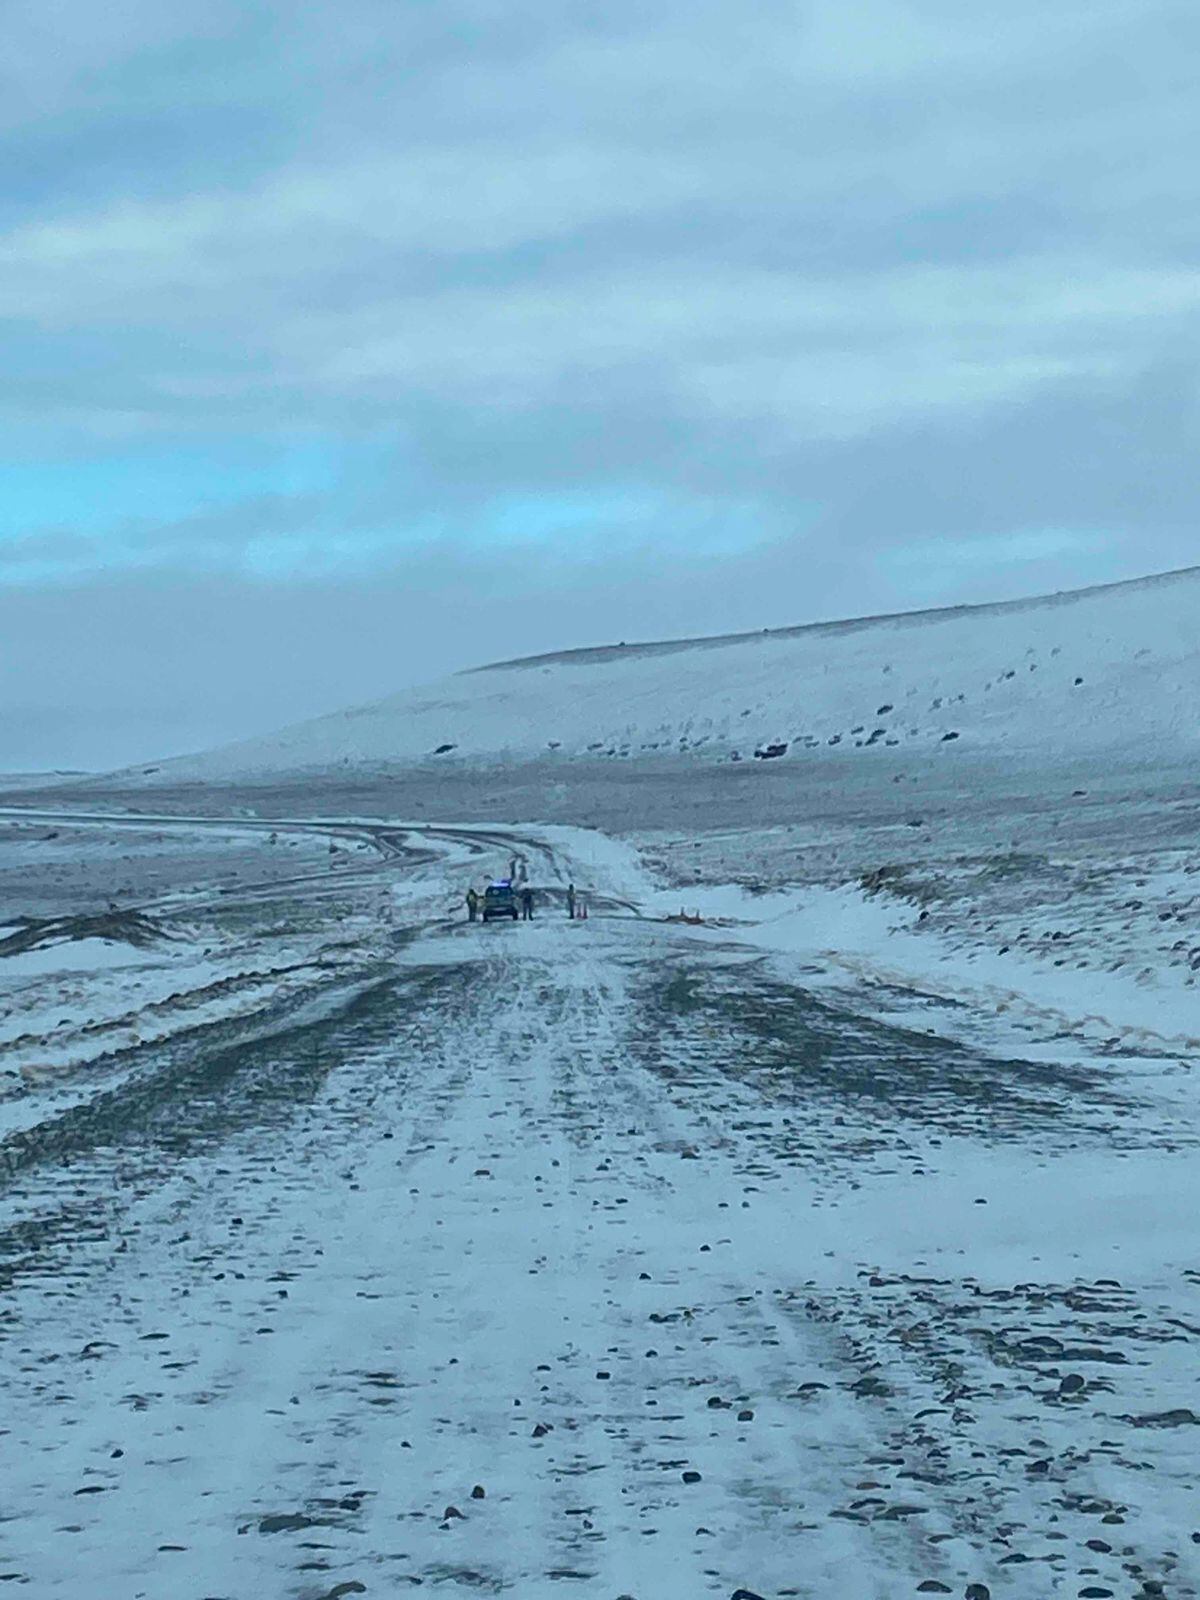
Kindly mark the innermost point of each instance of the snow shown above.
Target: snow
(866, 1199)
(875, 938)
(308, 1344)
(80, 955)
(1115, 666)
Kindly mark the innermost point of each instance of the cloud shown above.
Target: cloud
(787, 300)
(943, 565)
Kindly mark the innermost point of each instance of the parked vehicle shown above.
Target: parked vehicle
(500, 900)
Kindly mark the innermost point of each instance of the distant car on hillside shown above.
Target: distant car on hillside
(500, 900)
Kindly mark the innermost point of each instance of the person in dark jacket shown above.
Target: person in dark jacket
(526, 904)
(571, 901)
(472, 904)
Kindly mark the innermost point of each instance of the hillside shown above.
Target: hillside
(1084, 671)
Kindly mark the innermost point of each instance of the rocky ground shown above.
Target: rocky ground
(625, 1257)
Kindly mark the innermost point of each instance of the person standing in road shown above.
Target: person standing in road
(472, 904)
(526, 904)
(571, 901)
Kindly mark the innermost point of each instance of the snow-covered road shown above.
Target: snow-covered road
(592, 1258)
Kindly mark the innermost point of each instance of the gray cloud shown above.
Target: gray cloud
(870, 304)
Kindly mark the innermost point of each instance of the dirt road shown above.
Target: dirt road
(575, 1258)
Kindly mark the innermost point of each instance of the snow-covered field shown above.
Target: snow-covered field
(816, 1218)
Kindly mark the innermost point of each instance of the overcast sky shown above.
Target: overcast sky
(347, 342)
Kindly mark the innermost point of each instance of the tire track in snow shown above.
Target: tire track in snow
(292, 1348)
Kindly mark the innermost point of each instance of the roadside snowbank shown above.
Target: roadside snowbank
(57, 1020)
(877, 940)
(78, 955)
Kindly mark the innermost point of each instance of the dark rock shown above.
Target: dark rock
(451, 1513)
(978, 1591)
(869, 1385)
(1072, 1384)
(691, 1477)
(478, 1492)
(745, 1416)
(287, 1522)
(932, 1586)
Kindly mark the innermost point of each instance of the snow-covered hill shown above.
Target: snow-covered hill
(1077, 672)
